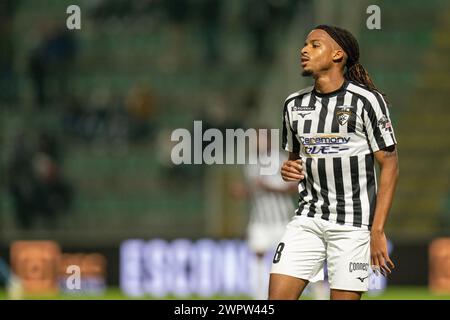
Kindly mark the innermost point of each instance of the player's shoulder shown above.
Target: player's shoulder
(298, 94)
(372, 96)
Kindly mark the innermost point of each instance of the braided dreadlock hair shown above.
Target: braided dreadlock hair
(355, 71)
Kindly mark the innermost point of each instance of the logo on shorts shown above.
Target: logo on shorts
(362, 279)
(358, 266)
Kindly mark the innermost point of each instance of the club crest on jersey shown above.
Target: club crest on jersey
(343, 114)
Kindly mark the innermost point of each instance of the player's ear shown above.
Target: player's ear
(338, 55)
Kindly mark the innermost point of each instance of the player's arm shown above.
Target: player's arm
(389, 171)
(288, 188)
(292, 169)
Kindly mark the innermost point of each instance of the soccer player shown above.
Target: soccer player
(271, 209)
(335, 131)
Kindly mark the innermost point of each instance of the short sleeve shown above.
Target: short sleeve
(377, 123)
(289, 140)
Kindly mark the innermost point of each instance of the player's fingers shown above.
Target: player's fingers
(383, 266)
(298, 164)
(375, 265)
(291, 170)
(292, 180)
(385, 271)
(390, 263)
(288, 179)
(293, 165)
(290, 167)
(289, 176)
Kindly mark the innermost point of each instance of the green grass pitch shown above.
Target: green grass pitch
(392, 293)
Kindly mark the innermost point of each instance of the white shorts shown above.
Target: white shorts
(308, 242)
(264, 237)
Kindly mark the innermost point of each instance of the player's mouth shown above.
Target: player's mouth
(304, 61)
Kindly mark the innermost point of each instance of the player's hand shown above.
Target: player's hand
(292, 170)
(380, 260)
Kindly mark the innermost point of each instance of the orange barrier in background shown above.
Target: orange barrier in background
(36, 264)
(439, 262)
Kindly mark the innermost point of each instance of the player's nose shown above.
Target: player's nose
(304, 51)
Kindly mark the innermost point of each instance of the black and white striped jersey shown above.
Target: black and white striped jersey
(336, 135)
(268, 208)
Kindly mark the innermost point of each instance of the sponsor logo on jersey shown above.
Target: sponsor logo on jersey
(304, 114)
(325, 144)
(385, 124)
(303, 108)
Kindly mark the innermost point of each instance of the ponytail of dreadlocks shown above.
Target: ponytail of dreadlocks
(355, 71)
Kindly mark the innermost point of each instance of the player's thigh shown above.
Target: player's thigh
(348, 258)
(284, 287)
(300, 254)
(345, 295)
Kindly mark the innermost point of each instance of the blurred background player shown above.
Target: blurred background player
(271, 208)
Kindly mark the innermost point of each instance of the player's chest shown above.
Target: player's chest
(325, 116)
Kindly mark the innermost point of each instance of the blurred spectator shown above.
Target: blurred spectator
(210, 12)
(257, 17)
(35, 181)
(177, 12)
(141, 108)
(104, 9)
(21, 182)
(8, 78)
(49, 64)
(263, 18)
(112, 117)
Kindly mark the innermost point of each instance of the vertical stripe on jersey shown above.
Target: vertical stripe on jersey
(351, 125)
(340, 193)
(330, 114)
(284, 132)
(311, 104)
(371, 191)
(356, 192)
(323, 188)
(312, 203)
(339, 103)
(384, 110)
(312, 100)
(374, 124)
(302, 202)
(295, 143)
(288, 135)
(323, 115)
(307, 126)
(304, 100)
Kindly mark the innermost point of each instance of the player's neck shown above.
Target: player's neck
(330, 82)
